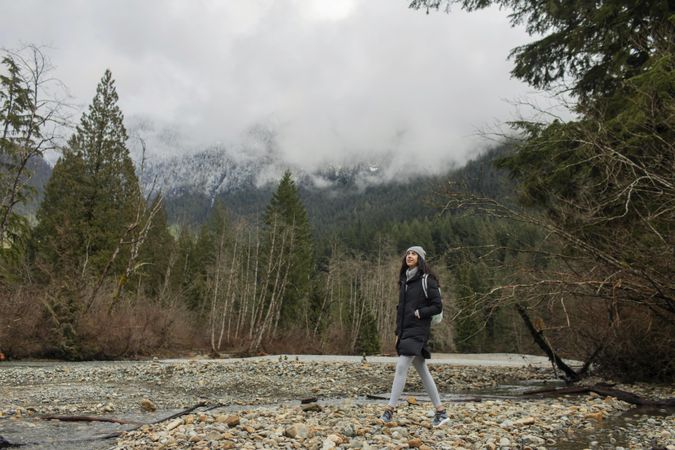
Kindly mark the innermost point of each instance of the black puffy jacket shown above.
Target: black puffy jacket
(413, 333)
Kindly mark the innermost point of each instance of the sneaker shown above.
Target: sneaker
(387, 416)
(440, 418)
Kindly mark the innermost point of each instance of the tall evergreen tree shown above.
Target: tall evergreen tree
(88, 217)
(93, 195)
(286, 213)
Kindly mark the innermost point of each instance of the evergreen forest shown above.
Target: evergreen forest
(558, 240)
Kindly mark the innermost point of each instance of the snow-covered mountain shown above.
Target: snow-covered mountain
(243, 173)
(177, 166)
(218, 170)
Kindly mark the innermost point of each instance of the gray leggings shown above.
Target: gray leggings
(402, 366)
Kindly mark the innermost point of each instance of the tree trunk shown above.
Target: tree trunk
(538, 337)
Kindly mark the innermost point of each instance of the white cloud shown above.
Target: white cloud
(334, 79)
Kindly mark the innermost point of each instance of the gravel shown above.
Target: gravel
(255, 403)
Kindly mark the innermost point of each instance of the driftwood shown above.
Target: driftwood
(178, 414)
(212, 407)
(91, 419)
(6, 444)
(164, 419)
(604, 390)
(600, 389)
(121, 421)
(538, 336)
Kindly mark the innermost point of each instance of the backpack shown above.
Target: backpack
(436, 318)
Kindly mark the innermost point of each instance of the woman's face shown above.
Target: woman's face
(411, 259)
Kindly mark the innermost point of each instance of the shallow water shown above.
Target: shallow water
(36, 434)
(612, 432)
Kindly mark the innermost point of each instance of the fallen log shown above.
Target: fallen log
(216, 406)
(603, 390)
(178, 414)
(539, 339)
(120, 421)
(115, 434)
(91, 419)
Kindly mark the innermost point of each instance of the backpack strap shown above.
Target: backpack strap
(425, 285)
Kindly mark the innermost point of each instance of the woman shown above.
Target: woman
(413, 320)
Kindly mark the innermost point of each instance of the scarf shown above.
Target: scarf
(409, 273)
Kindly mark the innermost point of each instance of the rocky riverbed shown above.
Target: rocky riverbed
(256, 404)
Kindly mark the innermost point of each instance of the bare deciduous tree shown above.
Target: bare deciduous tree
(33, 111)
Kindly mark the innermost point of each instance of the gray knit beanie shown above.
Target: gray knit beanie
(419, 250)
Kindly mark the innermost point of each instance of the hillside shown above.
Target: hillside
(335, 198)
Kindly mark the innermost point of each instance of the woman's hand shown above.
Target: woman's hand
(417, 313)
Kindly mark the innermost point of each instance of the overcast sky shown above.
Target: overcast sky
(331, 78)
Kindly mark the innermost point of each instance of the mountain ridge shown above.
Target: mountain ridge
(335, 195)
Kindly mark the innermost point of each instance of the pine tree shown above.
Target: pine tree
(60, 235)
(286, 213)
(92, 204)
(93, 195)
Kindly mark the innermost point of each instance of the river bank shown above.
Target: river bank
(255, 403)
